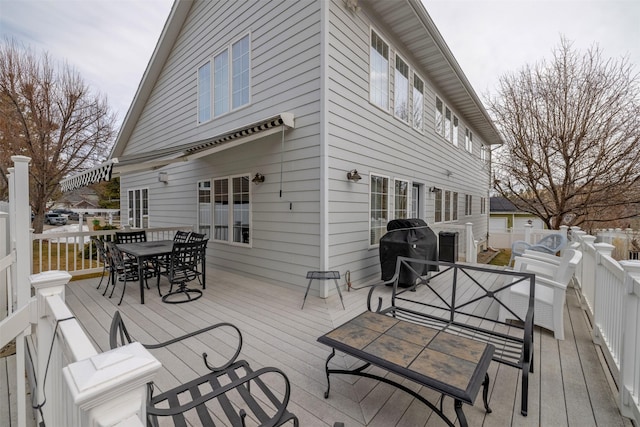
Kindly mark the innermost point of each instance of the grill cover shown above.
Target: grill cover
(410, 238)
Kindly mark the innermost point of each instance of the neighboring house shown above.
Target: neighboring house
(81, 198)
(251, 116)
(504, 215)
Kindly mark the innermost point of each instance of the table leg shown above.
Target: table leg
(326, 367)
(485, 393)
(305, 294)
(461, 418)
(339, 293)
(141, 278)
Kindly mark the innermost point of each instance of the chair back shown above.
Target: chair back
(185, 261)
(181, 236)
(567, 268)
(103, 255)
(116, 256)
(131, 236)
(553, 243)
(196, 237)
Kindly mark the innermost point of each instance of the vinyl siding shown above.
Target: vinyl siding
(364, 137)
(285, 77)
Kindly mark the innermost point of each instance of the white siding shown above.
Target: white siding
(285, 77)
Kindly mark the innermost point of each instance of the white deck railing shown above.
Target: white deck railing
(74, 252)
(611, 295)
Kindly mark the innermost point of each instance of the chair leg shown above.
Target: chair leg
(124, 288)
(101, 277)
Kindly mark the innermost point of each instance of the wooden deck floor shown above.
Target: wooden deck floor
(569, 386)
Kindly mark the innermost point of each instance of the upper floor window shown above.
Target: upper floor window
(455, 131)
(468, 140)
(468, 200)
(447, 123)
(484, 153)
(379, 72)
(240, 72)
(379, 208)
(418, 103)
(204, 93)
(231, 85)
(221, 83)
(439, 108)
(401, 90)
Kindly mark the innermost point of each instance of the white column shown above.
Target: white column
(527, 232)
(471, 254)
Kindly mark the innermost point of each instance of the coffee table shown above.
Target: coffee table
(449, 364)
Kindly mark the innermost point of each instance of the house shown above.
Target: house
(504, 215)
(291, 133)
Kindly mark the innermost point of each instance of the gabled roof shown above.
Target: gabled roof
(410, 22)
(501, 204)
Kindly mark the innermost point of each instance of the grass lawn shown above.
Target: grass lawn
(502, 258)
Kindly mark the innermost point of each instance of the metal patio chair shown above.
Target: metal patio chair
(230, 387)
(184, 267)
(103, 256)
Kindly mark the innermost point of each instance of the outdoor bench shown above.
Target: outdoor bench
(236, 392)
(463, 299)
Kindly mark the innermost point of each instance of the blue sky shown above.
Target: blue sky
(111, 41)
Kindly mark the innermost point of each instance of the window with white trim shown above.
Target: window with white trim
(483, 205)
(379, 208)
(232, 209)
(221, 83)
(455, 131)
(447, 124)
(379, 72)
(231, 80)
(447, 205)
(438, 119)
(454, 207)
(437, 204)
(240, 67)
(401, 90)
(401, 199)
(468, 140)
(138, 209)
(204, 208)
(484, 153)
(468, 202)
(204, 93)
(418, 103)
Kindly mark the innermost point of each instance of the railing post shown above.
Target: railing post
(527, 232)
(109, 389)
(20, 223)
(629, 376)
(602, 249)
(45, 285)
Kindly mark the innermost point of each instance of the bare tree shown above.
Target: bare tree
(572, 132)
(48, 113)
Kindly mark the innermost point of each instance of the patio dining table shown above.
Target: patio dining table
(143, 252)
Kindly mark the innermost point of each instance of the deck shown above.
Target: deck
(569, 385)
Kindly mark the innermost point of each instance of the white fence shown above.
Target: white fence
(503, 239)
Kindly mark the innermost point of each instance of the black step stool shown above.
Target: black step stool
(323, 275)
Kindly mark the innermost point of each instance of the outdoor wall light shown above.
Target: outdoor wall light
(353, 175)
(163, 177)
(259, 178)
(434, 189)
